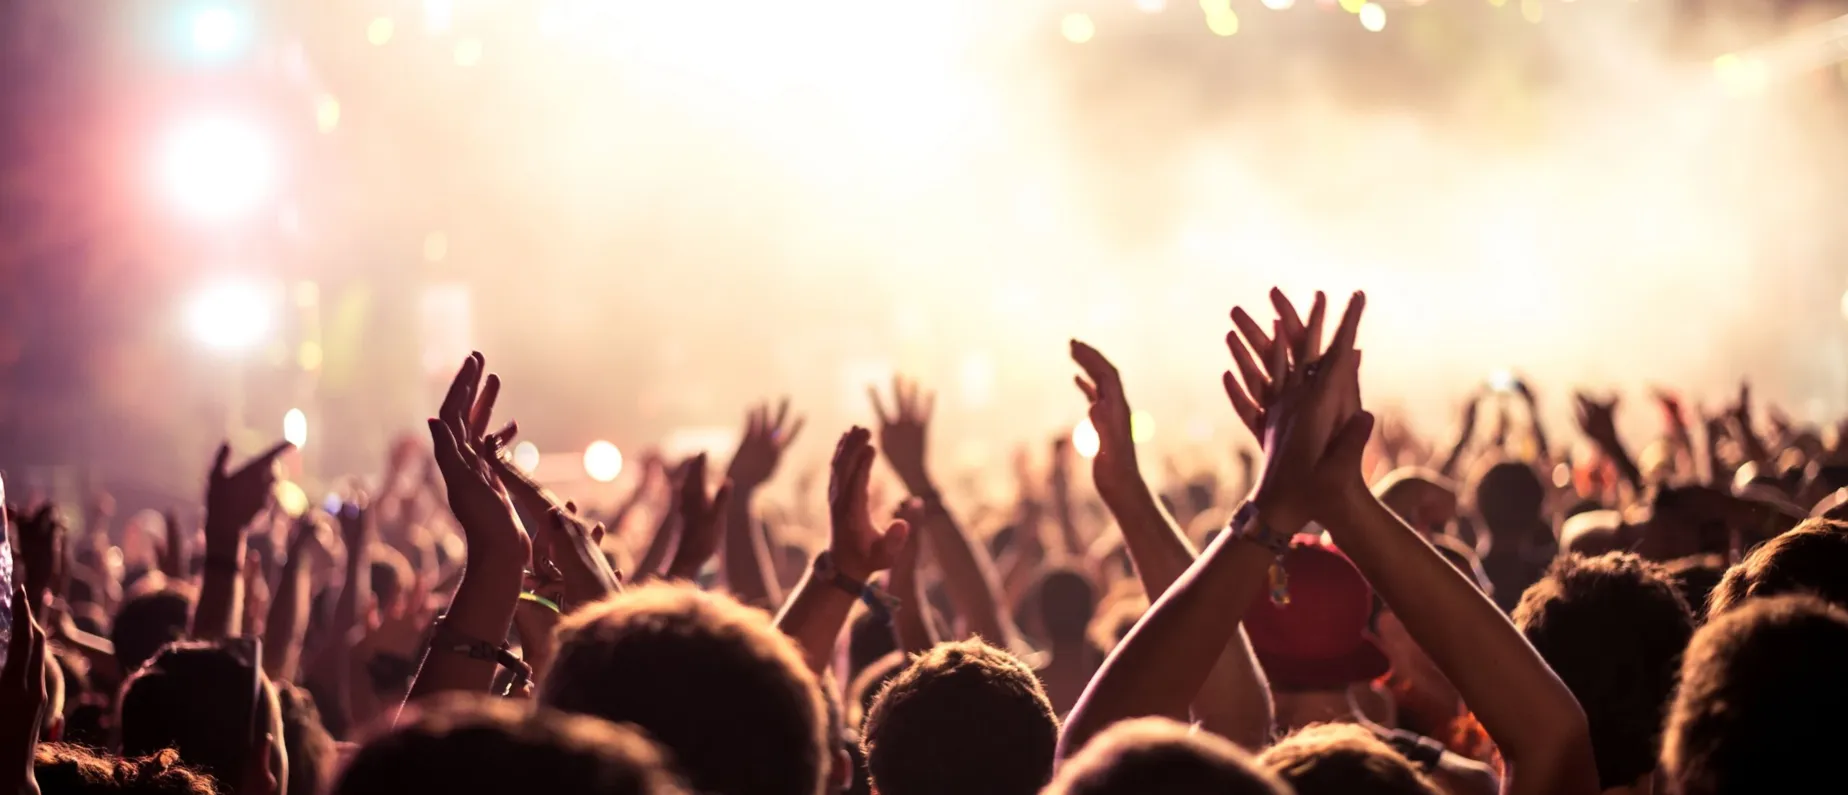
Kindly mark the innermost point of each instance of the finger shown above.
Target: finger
(1256, 384)
(499, 439)
(892, 541)
(1346, 448)
(782, 415)
(901, 395)
(1311, 345)
(1278, 363)
(460, 397)
(1101, 371)
(858, 488)
(448, 455)
(1343, 343)
(1254, 334)
(483, 410)
(1090, 392)
(722, 500)
(218, 461)
(1243, 404)
(878, 405)
(1290, 323)
(795, 429)
(693, 491)
(35, 658)
(929, 407)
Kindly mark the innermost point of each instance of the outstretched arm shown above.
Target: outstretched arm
(748, 570)
(232, 501)
(1235, 700)
(857, 549)
(968, 573)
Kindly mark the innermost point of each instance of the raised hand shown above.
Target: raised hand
(858, 546)
(22, 696)
(1291, 339)
(233, 499)
(702, 519)
(1598, 419)
(902, 432)
(766, 436)
(1114, 468)
(563, 542)
(173, 548)
(463, 449)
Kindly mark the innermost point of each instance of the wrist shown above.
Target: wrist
(842, 573)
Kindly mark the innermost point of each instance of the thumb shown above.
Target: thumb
(894, 538)
(1345, 448)
(219, 460)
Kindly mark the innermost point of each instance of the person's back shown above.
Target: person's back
(1613, 628)
(197, 698)
(727, 695)
(479, 744)
(1066, 603)
(1761, 701)
(964, 719)
(1509, 498)
(1157, 755)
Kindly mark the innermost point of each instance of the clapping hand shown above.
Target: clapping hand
(1114, 468)
(902, 431)
(1263, 385)
(857, 545)
(463, 448)
(702, 519)
(565, 544)
(22, 695)
(766, 437)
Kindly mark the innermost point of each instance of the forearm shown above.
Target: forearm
(221, 591)
(660, 548)
(1234, 701)
(481, 611)
(813, 618)
(355, 592)
(1160, 667)
(1530, 714)
(746, 560)
(910, 619)
(969, 576)
(288, 619)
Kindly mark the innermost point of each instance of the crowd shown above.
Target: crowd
(1371, 613)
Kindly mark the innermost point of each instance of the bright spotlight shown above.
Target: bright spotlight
(1278, 5)
(602, 461)
(216, 167)
(1373, 17)
(229, 316)
(526, 457)
(1141, 426)
(217, 31)
(295, 428)
(1084, 439)
(1077, 27)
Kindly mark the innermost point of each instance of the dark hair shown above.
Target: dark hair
(311, 749)
(1695, 576)
(964, 718)
(473, 743)
(194, 697)
(75, 770)
(1066, 602)
(1811, 558)
(1343, 758)
(869, 638)
(1761, 700)
(147, 622)
(1509, 494)
(865, 688)
(1159, 755)
(1613, 628)
(710, 679)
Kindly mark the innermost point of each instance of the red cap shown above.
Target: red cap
(1319, 640)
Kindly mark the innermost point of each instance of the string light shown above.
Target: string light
(1353, 6)
(1278, 5)
(1077, 27)
(1222, 23)
(1373, 17)
(379, 31)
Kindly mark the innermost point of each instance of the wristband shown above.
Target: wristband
(448, 640)
(528, 596)
(1248, 526)
(879, 601)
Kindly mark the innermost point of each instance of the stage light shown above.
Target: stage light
(1352, 6)
(1373, 17)
(438, 16)
(1084, 439)
(379, 31)
(1278, 5)
(326, 113)
(1223, 22)
(1151, 6)
(1077, 28)
(602, 461)
(526, 457)
(216, 167)
(295, 427)
(230, 316)
(217, 31)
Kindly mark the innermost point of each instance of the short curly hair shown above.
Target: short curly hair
(1810, 558)
(76, 770)
(1613, 628)
(1339, 758)
(964, 718)
(1761, 700)
(473, 743)
(712, 680)
(1160, 755)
